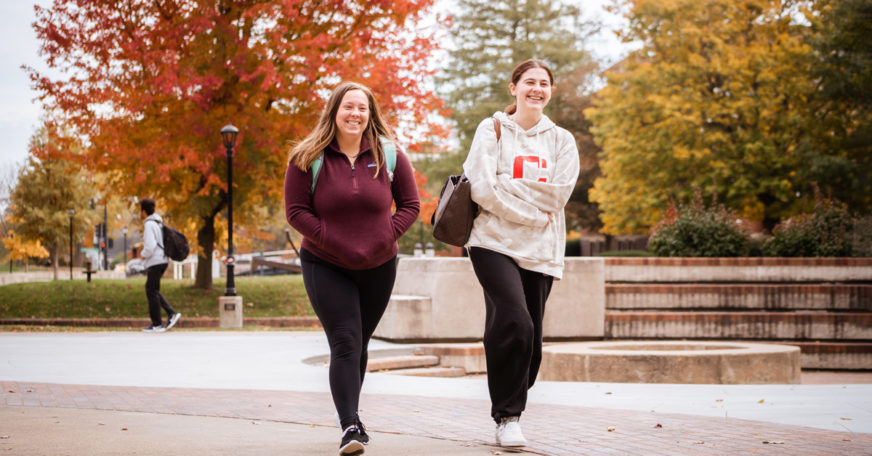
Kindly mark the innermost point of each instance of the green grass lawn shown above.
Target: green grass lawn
(267, 296)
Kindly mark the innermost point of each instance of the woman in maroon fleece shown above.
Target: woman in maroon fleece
(350, 235)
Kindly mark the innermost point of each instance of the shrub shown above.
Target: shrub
(698, 231)
(826, 232)
(862, 242)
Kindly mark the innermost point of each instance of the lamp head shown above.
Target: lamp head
(228, 135)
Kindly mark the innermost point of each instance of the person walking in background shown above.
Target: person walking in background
(521, 180)
(155, 262)
(349, 248)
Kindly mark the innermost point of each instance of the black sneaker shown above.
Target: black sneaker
(364, 437)
(154, 329)
(352, 443)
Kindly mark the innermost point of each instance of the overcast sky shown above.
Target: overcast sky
(19, 112)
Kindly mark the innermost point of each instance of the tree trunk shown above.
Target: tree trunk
(55, 253)
(205, 242)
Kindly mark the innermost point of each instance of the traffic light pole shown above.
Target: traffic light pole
(105, 240)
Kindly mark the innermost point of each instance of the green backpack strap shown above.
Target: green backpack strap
(390, 156)
(390, 151)
(316, 168)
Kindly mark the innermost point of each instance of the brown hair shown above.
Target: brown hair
(306, 151)
(520, 70)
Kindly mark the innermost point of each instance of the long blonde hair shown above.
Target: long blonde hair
(306, 151)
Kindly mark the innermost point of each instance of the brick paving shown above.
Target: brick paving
(551, 429)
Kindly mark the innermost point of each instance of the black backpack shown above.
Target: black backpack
(176, 245)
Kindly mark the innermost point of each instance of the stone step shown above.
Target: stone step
(751, 296)
(431, 372)
(401, 362)
(835, 355)
(695, 270)
(470, 356)
(796, 326)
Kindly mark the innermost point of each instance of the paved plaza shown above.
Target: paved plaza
(206, 393)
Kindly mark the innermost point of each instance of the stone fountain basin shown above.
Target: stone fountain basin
(709, 362)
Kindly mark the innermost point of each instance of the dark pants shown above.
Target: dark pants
(349, 304)
(515, 305)
(156, 300)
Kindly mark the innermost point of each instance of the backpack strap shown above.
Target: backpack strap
(316, 169)
(390, 151)
(497, 127)
(161, 233)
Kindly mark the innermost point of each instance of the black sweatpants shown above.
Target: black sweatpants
(349, 304)
(156, 301)
(515, 305)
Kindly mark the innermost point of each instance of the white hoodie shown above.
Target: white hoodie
(517, 182)
(152, 241)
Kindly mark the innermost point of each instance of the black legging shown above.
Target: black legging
(152, 292)
(515, 305)
(349, 305)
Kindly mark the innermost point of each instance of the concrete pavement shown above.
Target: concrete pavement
(205, 385)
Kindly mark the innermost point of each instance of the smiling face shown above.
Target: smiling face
(353, 114)
(533, 90)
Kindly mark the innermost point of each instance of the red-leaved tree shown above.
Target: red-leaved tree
(149, 84)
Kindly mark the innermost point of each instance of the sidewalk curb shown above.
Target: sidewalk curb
(185, 322)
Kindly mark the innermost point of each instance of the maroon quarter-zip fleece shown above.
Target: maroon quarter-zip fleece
(349, 221)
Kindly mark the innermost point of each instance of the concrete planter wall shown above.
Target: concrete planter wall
(441, 299)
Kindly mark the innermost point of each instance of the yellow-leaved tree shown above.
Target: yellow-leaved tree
(714, 101)
(22, 249)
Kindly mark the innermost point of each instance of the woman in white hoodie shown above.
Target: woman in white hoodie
(521, 180)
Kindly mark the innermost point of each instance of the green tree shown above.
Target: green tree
(838, 155)
(714, 99)
(491, 37)
(568, 103)
(46, 190)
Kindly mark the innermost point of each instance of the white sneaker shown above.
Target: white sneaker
(173, 320)
(154, 329)
(509, 433)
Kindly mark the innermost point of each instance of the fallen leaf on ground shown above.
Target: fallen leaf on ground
(761, 401)
(773, 442)
(124, 429)
(700, 442)
(4, 437)
(845, 419)
(608, 392)
(719, 400)
(658, 426)
(611, 429)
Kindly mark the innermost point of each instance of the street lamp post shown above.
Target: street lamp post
(228, 135)
(105, 244)
(72, 213)
(124, 232)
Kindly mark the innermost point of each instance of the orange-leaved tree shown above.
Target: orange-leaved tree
(149, 84)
